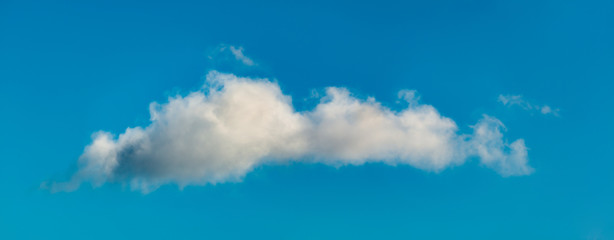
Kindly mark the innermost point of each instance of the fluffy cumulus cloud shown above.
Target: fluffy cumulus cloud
(234, 124)
(520, 101)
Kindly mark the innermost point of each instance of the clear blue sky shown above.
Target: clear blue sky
(71, 68)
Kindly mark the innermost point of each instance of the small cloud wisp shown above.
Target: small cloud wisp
(518, 100)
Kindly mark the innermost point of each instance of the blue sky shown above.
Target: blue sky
(70, 69)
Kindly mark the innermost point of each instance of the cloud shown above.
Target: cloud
(494, 152)
(518, 100)
(230, 55)
(238, 53)
(234, 124)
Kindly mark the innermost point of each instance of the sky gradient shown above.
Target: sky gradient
(70, 69)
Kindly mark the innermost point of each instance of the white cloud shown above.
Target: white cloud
(518, 100)
(350, 131)
(233, 124)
